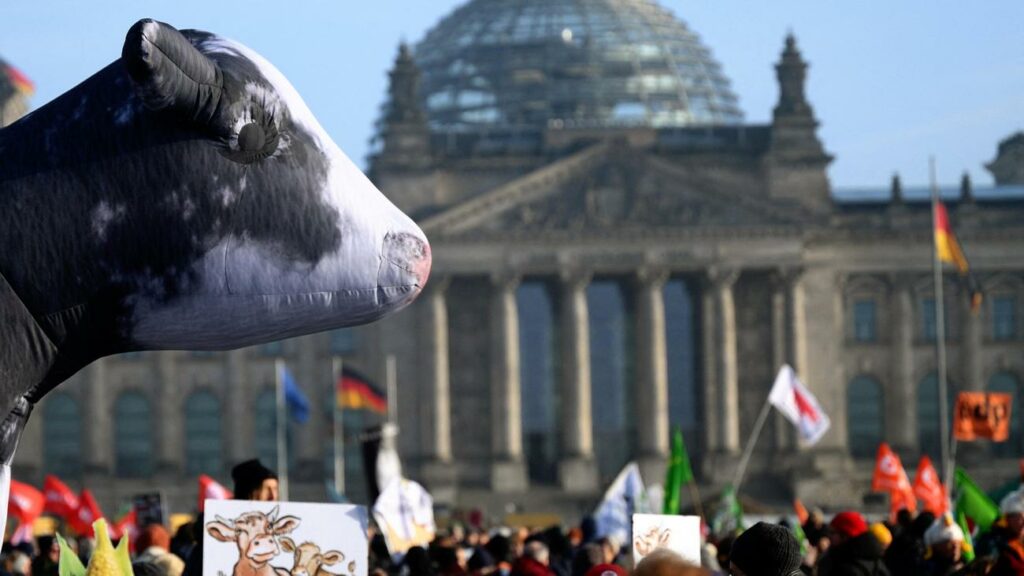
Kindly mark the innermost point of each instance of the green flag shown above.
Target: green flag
(801, 537)
(974, 503)
(729, 518)
(968, 546)
(674, 475)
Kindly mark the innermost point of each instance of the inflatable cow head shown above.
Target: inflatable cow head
(184, 197)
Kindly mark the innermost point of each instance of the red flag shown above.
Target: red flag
(929, 489)
(60, 500)
(127, 527)
(890, 477)
(25, 504)
(88, 512)
(210, 489)
(801, 511)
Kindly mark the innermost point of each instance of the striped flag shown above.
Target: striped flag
(948, 249)
(357, 392)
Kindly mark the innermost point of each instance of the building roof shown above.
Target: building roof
(537, 64)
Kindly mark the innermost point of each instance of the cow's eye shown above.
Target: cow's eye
(256, 138)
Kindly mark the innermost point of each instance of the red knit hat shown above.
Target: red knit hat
(849, 524)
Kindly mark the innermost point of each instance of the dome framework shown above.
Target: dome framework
(569, 63)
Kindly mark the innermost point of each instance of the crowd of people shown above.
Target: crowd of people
(845, 544)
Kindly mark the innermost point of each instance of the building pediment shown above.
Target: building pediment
(608, 190)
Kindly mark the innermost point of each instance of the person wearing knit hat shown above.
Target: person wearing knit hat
(1007, 537)
(854, 549)
(881, 533)
(765, 550)
(254, 481)
(945, 541)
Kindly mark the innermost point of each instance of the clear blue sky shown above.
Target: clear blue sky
(891, 82)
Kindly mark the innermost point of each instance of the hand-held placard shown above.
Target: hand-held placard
(183, 197)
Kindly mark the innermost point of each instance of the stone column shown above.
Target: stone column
(240, 404)
(970, 348)
(721, 281)
(169, 411)
(577, 471)
(901, 398)
(709, 370)
(508, 473)
(652, 373)
(435, 415)
(97, 423)
(784, 437)
(313, 437)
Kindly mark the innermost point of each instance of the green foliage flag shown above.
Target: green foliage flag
(678, 474)
(974, 503)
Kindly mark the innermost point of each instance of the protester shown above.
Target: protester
(154, 541)
(944, 540)
(853, 551)
(663, 562)
(765, 550)
(882, 534)
(1010, 541)
(906, 553)
(254, 481)
(534, 561)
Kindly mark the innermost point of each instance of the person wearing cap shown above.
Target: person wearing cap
(254, 481)
(663, 562)
(945, 541)
(854, 550)
(1009, 539)
(765, 550)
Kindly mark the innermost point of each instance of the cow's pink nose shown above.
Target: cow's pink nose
(411, 253)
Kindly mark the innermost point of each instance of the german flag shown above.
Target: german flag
(356, 392)
(21, 82)
(948, 249)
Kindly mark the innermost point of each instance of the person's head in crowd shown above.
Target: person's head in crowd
(1012, 509)
(765, 550)
(254, 481)
(575, 537)
(457, 531)
(881, 533)
(606, 570)
(558, 543)
(588, 526)
(610, 547)
(481, 563)
(816, 517)
(472, 539)
(921, 524)
(945, 539)
(664, 562)
(537, 551)
(904, 518)
(153, 536)
(147, 568)
(845, 526)
(500, 549)
(417, 562)
(588, 556)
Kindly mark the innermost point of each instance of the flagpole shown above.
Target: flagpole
(754, 435)
(940, 338)
(339, 439)
(282, 431)
(390, 377)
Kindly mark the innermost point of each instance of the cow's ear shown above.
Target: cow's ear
(170, 73)
(332, 557)
(287, 544)
(286, 524)
(221, 531)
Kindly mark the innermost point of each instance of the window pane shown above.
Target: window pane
(1007, 383)
(928, 319)
(62, 434)
(203, 452)
(928, 436)
(539, 388)
(864, 416)
(612, 410)
(1004, 318)
(133, 440)
(864, 321)
(266, 431)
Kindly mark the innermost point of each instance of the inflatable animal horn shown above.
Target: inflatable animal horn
(170, 73)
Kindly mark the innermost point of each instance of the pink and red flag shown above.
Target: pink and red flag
(798, 405)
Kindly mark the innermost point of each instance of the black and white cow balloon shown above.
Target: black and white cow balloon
(184, 197)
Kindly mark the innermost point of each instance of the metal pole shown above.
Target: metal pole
(339, 438)
(754, 435)
(940, 340)
(282, 432)
(390, 377)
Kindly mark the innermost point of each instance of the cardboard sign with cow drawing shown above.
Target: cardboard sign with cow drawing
(247, 538)
(680, 534)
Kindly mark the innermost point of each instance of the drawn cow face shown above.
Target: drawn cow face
(255, 533)
(309, 559)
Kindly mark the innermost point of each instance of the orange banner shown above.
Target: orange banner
(981, 415)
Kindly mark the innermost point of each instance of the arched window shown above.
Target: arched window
(266, 430)
(133, 436)
(684, 398)
(1008, 383)
(62, 436)
(864, 416)
(929, 438)
(203, 441)
(612, 402)
(539, 389)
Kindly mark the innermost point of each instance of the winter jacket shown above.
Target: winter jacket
(858, 556)
(1010, 561)
(530, 567)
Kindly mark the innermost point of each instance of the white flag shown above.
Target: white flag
(798, 405)
(625, 497)
(404, 511)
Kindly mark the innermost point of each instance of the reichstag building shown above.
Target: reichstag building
(616, 254)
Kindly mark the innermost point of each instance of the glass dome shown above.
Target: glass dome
(569, 63)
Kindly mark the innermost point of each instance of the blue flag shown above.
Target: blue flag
(295, 400)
